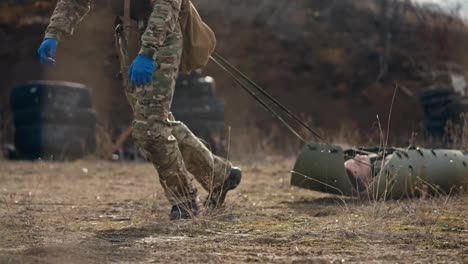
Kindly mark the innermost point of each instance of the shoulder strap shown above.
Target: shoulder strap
(185, 4)
(126, 18)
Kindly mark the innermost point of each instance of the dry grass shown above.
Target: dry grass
(96, 212)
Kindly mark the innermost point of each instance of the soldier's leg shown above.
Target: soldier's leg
(210, 170)
(151, 105)
(153, 130)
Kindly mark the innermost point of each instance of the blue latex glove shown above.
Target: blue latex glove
(141, 71)
(47, 51)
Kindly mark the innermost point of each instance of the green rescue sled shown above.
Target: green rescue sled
(396, 173)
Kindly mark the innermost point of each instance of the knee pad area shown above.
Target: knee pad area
(156, 139)
(180, 130)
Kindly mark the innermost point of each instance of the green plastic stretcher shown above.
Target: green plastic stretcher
(397, 173)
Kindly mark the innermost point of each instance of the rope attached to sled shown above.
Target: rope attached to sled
(251, 87)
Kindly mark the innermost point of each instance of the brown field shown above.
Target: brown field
(100, 212)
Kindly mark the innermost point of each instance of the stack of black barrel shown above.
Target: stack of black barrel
(195, 103)
(53, 120)
(442, 104)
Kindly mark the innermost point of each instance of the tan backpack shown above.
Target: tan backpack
(199, 39)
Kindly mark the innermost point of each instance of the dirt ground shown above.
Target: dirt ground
(101, 212)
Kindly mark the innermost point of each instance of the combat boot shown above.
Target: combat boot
(184, 211)
(218, 195)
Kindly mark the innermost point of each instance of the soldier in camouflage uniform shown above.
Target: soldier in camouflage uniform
(154, 42)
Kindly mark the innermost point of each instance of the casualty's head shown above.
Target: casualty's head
(360, 169)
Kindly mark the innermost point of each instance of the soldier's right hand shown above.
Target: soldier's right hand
(47, 51)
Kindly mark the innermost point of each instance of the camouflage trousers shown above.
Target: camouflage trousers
(177, 154)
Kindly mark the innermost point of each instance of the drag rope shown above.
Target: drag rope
(245, 86)
(250, 86)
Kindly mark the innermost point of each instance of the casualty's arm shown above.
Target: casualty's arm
(67, 14)
(162, 21)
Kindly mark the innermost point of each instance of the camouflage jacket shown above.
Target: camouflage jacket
(68, 13)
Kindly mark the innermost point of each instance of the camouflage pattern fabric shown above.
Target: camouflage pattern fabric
(66, 15)
(177, 154)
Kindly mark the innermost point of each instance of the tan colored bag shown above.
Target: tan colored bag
(199, 39)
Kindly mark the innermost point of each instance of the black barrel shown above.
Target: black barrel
(53, 120)
(196, 105)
